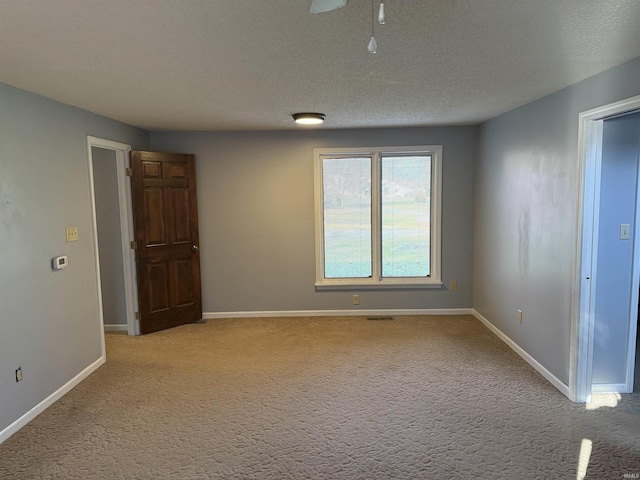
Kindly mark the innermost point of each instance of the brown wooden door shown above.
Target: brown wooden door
(166, 232)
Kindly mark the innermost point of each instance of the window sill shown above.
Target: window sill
(349, 284)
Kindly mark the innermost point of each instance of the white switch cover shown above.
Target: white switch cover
(624, 231)
(72, 234)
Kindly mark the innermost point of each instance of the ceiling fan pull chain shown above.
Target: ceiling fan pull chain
(373, 45)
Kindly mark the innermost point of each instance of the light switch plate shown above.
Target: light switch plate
(72, 234)
(624, 231)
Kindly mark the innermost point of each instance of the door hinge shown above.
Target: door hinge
(134, 245)
(137, 315)
(129, 172)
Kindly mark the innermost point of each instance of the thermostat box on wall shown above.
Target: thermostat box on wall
(58, 263)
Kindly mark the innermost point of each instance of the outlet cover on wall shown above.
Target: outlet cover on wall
(356, 299)
(453, 286)
(519, 316)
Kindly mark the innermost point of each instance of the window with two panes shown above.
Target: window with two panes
(378, 215)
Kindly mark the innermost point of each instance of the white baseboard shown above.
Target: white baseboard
(564, 389)
(609, 388)
(50, 400)
(115, 328)
(337, 313)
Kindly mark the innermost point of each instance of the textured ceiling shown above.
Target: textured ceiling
(250, 64)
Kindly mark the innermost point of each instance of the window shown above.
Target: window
(378, 217)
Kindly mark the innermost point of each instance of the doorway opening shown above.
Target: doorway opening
(112, 223)
(585, 285)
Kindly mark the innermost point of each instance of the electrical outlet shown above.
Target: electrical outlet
(19, 374)
(453, 286)
(356, 299)
(519, 316)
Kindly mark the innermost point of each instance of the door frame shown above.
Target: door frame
(590, 132)
(126, 228)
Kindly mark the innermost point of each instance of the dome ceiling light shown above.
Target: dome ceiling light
(308, 118)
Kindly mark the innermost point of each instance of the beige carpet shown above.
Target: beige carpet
(322, 398)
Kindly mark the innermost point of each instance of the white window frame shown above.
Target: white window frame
(376, 280)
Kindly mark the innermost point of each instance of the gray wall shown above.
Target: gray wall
(619, 176)
(105, 178)
(525, 214)
(48, 320)
(256, 216)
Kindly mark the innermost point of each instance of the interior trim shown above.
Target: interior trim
(114, 327)
(609, 388)
(50, 400)
(564, 389)
(337, 313)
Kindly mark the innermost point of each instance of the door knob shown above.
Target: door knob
(195, 248)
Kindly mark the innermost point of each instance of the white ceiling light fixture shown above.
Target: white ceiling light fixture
(308, 118)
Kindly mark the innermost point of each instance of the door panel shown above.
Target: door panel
(154, 219)
(182, 229)
(158, 287)
(151, 170)
(177, 171)
(183, 279)
(166, 224)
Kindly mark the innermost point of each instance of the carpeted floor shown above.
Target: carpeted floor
(323, 398)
